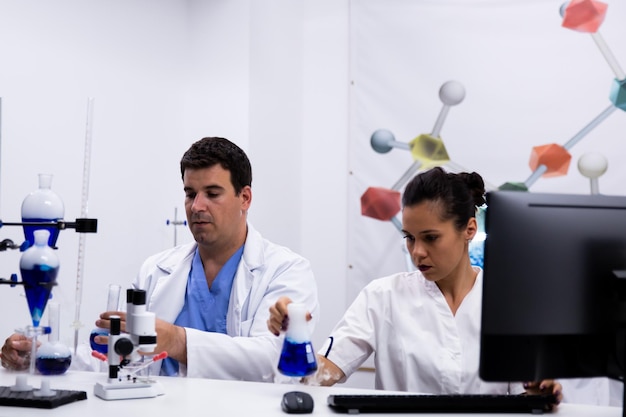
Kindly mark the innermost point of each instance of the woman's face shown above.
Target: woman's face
(436, 247)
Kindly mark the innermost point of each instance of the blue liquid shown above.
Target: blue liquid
(53, 366)
(104, 349)
(297, 359)
(29, 230)
(37, 295)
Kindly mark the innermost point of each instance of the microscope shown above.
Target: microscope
(126, 353)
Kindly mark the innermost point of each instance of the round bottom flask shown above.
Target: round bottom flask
(53, 357)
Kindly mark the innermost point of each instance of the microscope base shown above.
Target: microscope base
(124, 390)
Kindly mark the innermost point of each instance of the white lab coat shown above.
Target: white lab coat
(419, 345)
(248, 351)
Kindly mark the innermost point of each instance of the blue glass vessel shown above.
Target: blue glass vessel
(42, 206)
(39, 266)
(53, 357)
(297, 358)
(104, 349)
(29, 231)
(53, 365)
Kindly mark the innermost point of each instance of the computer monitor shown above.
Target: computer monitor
(553, 286)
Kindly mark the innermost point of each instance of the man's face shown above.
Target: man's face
(215, 214)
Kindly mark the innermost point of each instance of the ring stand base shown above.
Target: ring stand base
(11, 398)
(124, 390)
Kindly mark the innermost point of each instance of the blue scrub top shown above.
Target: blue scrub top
(205, 308)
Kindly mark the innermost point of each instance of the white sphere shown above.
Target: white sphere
(452, 93)
(592, 165)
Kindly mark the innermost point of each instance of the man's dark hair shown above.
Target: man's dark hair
(211, 151)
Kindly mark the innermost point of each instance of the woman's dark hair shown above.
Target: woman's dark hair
(458, 194)
(211, 151)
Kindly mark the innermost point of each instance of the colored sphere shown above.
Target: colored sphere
(452, 93)
(592, 165)
(381, 140)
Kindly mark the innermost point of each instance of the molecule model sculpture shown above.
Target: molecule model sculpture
(593, 165)
(553, 160)
(427, 150)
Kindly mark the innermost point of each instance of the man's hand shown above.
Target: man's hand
(16, 352)
(170, 338)
(278, 316)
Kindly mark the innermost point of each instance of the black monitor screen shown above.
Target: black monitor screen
(552, 292)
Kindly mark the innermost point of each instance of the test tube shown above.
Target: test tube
(113, 302)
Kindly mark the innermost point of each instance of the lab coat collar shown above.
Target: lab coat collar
(253, 255)
(251, 264)
(176, 266)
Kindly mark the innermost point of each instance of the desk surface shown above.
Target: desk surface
(202, 397)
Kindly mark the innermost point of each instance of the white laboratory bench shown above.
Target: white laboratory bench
(206, 397)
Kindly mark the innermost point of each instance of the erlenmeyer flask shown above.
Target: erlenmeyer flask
(297, 357)
(39, 266)
(42, 205)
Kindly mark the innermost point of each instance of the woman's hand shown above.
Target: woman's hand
(546, 386)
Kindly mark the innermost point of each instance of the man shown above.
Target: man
(212, 297)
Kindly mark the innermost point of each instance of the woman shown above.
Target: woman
(423, 326)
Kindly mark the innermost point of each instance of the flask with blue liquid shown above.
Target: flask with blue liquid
(297, 358)
(53, 357)
(39, 266)
(42, 206)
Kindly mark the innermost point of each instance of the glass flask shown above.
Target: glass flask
(113, 301)
(297, 358)
(53, 357)
(42, 205)
(39, 266)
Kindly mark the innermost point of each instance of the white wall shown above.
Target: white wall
(131, 57)
(163, 74)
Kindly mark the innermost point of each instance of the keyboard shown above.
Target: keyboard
(447, 403)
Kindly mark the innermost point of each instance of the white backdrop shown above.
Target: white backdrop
(528, 82)
(276, 76)
(270, 75)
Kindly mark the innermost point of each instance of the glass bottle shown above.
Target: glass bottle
(39, 266)
(297, 358)
(53, 357)
(42, 205)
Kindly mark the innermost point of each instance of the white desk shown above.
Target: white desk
(205, 397)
